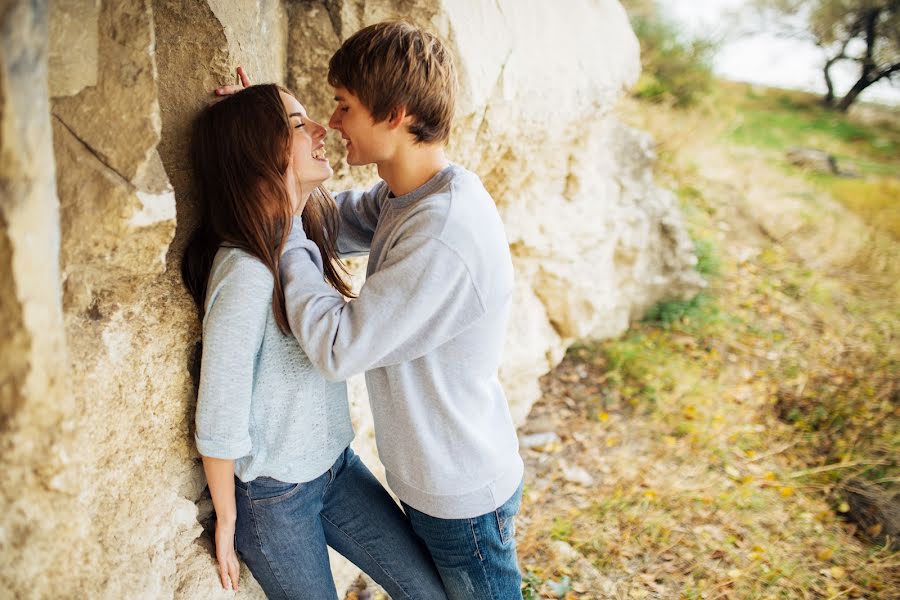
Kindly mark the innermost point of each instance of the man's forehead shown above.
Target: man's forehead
(342, 94)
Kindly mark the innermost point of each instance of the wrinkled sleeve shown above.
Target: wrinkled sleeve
(421, 297)
(233, 329)
(359, 211)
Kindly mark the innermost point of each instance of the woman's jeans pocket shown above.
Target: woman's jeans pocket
(265, 491)
(506, 517)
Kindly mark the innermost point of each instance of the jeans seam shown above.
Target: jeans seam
(366, 550)
(481, 563)
(330, 480)
(475, 539)
(259, 542)
(332, 472)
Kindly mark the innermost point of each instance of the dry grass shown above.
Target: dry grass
(721, 437)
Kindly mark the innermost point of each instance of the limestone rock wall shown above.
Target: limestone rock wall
(103, 493)
(37, 516)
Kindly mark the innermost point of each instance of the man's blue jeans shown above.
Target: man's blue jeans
(475, 557)
(282, 529)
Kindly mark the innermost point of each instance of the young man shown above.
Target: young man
(429, 323)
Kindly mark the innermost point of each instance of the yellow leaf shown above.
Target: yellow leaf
(650, 495)
(824, 553)
(787, 491)
(604, 417)
(844, 507)
(769, 476)
(837, 572)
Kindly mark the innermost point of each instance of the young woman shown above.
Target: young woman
(273, 433)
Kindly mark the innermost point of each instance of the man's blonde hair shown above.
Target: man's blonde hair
(396, 64)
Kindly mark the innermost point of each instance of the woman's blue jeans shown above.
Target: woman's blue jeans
(476, 557)
(283, 528)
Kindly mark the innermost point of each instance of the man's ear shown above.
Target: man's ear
(398, 117)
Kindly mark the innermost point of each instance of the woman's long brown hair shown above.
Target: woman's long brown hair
(240, 153)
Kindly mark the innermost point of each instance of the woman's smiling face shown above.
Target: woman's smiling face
(308, 161)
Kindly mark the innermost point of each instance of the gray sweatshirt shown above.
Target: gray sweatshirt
(261, 402)
(428, 329)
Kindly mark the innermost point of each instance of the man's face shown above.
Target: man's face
(367, 141)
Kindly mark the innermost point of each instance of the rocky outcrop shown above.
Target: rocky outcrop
(103, 494)
(38, 520)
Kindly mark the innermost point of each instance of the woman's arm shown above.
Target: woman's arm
(220, 477)
(240, 298)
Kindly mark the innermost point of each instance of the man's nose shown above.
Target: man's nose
(334, 122)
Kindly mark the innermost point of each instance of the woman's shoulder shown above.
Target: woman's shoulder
(236, 267)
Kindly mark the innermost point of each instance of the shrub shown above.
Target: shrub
(674, 70)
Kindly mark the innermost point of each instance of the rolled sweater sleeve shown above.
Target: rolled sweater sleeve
(421, 297)
(238, 304)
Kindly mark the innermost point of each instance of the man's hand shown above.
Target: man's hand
(229, 567)
(227, 90)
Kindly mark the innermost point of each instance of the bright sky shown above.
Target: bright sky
(763, 58)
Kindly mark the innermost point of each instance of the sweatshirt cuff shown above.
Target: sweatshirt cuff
(297, 238)
(296, 244)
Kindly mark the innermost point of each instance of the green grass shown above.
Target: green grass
(777, 120)
(562, 529)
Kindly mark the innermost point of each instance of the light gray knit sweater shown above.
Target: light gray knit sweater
(261, 401)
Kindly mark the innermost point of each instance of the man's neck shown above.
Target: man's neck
(411, 168)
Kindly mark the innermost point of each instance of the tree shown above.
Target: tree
(866, 32)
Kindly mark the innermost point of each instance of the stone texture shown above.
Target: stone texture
(103, 490)
(74, 47)
(38, 516)
(199, 46)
